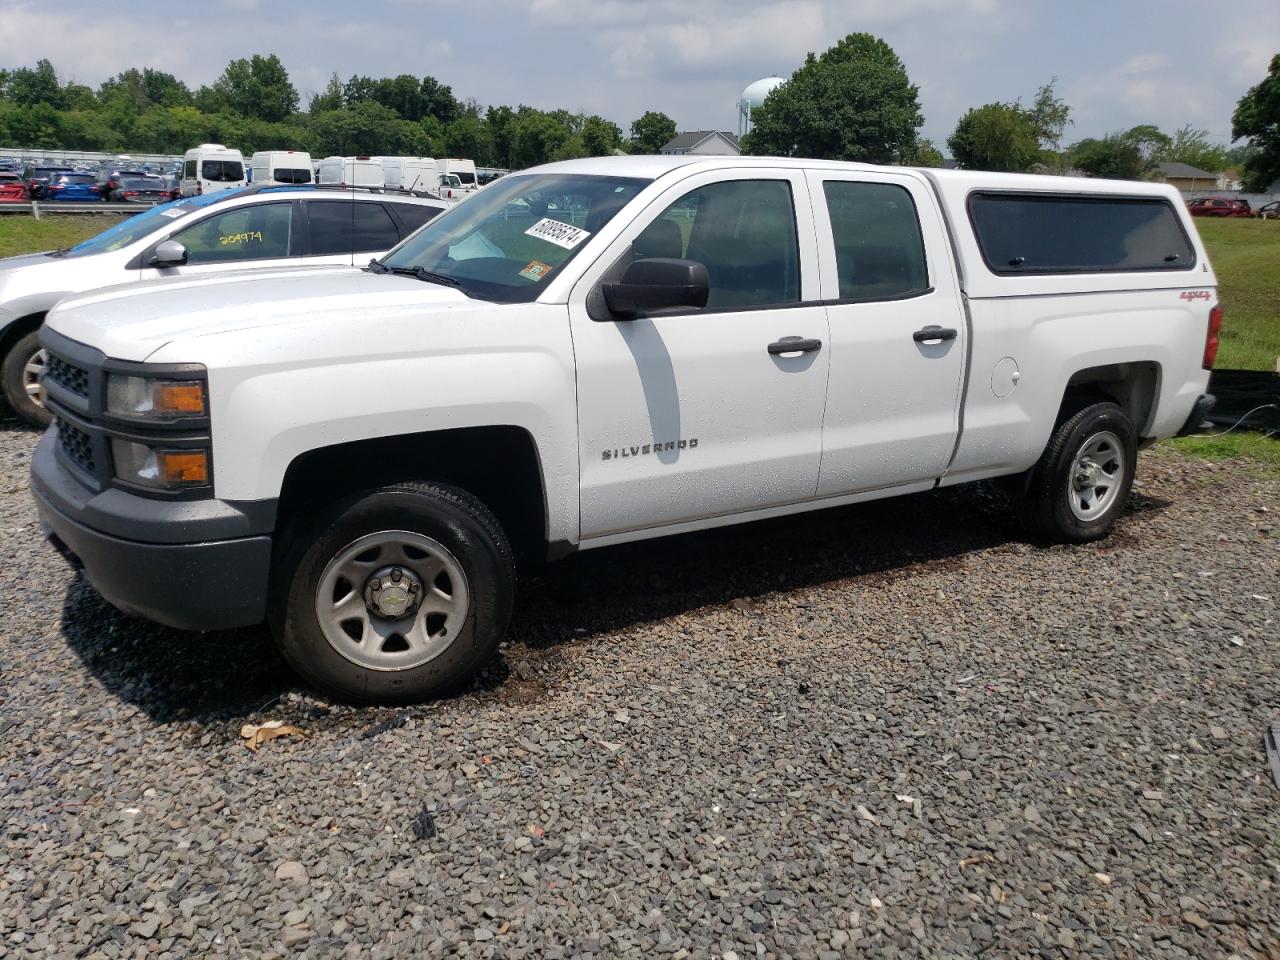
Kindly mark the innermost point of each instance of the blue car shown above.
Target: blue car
(73, 187)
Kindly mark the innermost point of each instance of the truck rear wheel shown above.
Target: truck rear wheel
(1080, 484)
(396, 595)
(20, 371)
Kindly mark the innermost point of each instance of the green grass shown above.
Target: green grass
(1237, 445)
(20, 233)
(1246, 257)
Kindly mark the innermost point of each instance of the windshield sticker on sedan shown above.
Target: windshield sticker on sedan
(172, 213)
(536, 270)
(558, 232)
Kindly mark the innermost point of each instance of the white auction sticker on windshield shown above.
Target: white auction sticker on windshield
(558, 232)
(172, 213)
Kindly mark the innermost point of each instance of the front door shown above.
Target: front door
(692, 415)
(244, 237)
(898, 332)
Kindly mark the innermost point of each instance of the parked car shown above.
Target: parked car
(1269, 211)
(110, 176)
(37, 179)
(12, 188)
(197, 236)
(1218, 207)
(173, 186)
(359, 457)
(74, 188)
(140, 189)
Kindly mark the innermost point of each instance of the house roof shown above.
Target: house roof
(687, 141)
(1184, 171)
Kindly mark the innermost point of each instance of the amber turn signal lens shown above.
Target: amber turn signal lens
(180, 398)
(183, 466)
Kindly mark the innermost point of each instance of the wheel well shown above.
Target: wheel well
(499, 465)
(18, 329)
(1131, 385)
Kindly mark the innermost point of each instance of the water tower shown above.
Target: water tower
(751, 98)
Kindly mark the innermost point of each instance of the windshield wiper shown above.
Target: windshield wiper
(419, 273)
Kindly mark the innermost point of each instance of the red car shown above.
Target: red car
(12, 189)
(1218, 207)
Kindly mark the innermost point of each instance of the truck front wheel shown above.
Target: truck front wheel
(395, 595)
(1080, 484)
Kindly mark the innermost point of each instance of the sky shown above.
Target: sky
(1117, 63)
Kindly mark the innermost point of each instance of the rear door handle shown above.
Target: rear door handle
(930, 334)
(794, 345)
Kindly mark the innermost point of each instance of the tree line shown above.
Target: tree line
(253, 105)
(856, 102)
(852, 102)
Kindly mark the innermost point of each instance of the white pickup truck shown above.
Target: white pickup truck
(599, 351)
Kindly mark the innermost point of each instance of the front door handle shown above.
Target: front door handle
(931, 334)
(794, 345)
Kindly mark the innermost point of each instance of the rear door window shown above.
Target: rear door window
(1044, 234)
(413, 215)
(878, 245)
(350, 226)
(261, 231)
(291, 175)
(222, 171)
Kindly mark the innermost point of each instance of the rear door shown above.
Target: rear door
(351, 230)
(898, 336)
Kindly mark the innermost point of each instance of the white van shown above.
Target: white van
(210, 167)
(351, 172)
(281, 166)
(392, 170)
(465, 170)
(419, 173)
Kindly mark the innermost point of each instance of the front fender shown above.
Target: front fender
(297, 398)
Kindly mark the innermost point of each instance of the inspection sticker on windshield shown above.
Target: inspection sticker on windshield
(558, 232)
(536, 270)
(172, 213)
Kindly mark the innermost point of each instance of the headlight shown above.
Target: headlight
(148, 399)
(160, 468)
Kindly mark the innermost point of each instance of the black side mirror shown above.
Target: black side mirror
(657, 284)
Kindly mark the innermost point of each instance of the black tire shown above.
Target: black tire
(1045, 504)
(13, 384)
(448, 515)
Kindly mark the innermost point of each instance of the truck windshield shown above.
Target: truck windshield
(507, 241)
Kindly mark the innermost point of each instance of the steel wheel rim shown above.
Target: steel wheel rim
(32, 372)
(360, 632)
(1096, 476)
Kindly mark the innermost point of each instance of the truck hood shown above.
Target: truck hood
(132, 323)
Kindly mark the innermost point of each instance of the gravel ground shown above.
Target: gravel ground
(890, 730)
